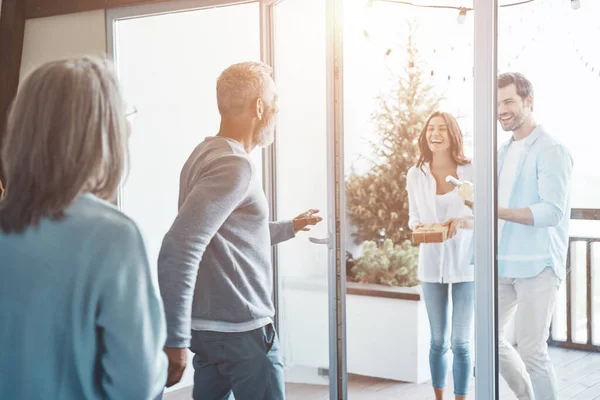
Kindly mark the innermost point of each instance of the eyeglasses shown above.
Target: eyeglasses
(131, 113)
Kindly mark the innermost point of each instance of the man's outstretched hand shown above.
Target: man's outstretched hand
(306, 220)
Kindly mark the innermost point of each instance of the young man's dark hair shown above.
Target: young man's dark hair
(523, 85)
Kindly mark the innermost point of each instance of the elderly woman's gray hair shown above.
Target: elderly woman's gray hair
(66, 134)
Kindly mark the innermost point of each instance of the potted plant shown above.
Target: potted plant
(386, 264)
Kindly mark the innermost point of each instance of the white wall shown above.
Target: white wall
(52, 38)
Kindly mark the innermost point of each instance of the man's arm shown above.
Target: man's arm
(216, 194)
(286, 230)
(281, 231)
(554, 170)
(522, 216)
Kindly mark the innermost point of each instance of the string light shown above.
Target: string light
(462, 15)
(462, 11)
(585, 62)
(575, 5)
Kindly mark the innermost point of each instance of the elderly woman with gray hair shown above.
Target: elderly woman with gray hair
(80, 310)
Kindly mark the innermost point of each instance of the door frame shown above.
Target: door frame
(335, 180)
(485, 208)
(336, 200)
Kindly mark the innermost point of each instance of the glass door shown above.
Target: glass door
(358, 82)
(418, 87)
(302, 165)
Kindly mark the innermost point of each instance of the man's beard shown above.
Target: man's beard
(515, 123)
(265, 134)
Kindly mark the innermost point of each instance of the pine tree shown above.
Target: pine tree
(377, 201)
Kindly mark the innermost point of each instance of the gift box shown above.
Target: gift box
(430, 233)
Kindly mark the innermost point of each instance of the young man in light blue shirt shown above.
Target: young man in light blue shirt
(534, 181)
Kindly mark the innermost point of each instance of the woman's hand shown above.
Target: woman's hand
(454, 225)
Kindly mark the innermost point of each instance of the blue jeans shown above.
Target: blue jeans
(437, 301)
(246, 364)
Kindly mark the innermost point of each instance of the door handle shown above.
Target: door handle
(318, 241)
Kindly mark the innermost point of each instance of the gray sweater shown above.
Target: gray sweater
(214, 266)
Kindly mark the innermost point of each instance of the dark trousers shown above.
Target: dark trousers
(246, 364)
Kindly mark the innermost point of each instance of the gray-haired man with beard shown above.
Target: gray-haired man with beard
(214, 266)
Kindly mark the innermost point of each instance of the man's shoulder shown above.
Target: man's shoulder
(549, 149)
(545, 137)
(548, 142)
(217, 153)
(215, 147)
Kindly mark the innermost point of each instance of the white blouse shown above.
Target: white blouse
(447, 262)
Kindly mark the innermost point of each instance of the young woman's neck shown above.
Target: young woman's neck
(442, 160)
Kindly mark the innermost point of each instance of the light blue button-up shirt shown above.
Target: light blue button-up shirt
(542, 184)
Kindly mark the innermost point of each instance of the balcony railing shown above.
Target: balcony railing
(574, 325)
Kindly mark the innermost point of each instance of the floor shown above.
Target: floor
(578, 375)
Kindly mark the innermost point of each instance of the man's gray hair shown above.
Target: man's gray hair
(240, 85)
